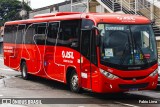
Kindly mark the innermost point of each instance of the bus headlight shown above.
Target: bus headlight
(154, 73)
(108, 74)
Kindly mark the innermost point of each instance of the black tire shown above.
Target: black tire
(24, 71)
(74, 82)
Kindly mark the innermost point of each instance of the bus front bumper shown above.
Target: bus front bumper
(106, 85)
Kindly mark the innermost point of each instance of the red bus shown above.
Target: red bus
(97, 52)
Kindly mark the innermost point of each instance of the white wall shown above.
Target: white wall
(100, 9)
(32, 14)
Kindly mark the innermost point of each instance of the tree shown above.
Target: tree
(10, 10)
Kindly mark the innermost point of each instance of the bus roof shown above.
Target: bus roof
(115, 18)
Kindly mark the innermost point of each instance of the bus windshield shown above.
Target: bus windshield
(127, 44)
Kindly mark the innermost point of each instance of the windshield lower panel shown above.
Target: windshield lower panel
(128, 46)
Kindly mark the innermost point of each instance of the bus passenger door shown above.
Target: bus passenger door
(87, 44)
(85, 59)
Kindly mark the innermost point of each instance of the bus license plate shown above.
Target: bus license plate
(133, 89)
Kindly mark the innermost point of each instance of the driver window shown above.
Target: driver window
(145, 39)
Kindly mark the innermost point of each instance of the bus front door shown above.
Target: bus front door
(85, 59)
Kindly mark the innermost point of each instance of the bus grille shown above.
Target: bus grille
(131, 78)
(129, 86)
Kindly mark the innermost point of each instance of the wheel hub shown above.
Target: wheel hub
(75, 81)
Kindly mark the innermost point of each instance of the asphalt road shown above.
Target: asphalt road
(52, 93)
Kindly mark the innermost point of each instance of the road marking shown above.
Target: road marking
(68, 94)
(6, 69)
(1, 95)
(11, 105)
(81, 106)
(125, 104)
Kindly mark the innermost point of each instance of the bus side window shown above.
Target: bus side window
(52, 33)
(40, 33)
(69, 34)
(30, 32)
(10, 33)
(20, 33)
(40, 28)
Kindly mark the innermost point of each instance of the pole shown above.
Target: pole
(71, 5)
(121, 5)
(22, 9)
(135, 7)
(152, 10)
(87, 6)
(113, 5)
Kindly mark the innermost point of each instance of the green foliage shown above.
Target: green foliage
(10, 10)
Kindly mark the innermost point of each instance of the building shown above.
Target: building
(67, 6)
(147, 8)
(60, 7)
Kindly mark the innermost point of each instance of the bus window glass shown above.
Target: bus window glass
(145, 39)
(10, 33)
(85, 43)
(52, 33)
(87, 40)
(30, 32)
(69, 33)
(93, 48)
(41, 28)
(7, 34)
(40, 33)
(87, 24)
(127, 44)
(20, 33)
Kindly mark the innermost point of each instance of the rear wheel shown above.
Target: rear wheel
(24, 71)
(74, 82)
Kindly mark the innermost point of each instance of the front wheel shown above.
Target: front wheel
(24, 73)
(74, 82)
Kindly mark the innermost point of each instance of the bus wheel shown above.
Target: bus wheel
(24, 71)
(74, 82)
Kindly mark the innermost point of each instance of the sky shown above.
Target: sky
(42, 3)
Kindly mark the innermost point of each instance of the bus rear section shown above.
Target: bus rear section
(98, 52)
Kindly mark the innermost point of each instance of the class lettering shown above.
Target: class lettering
(67, 54)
